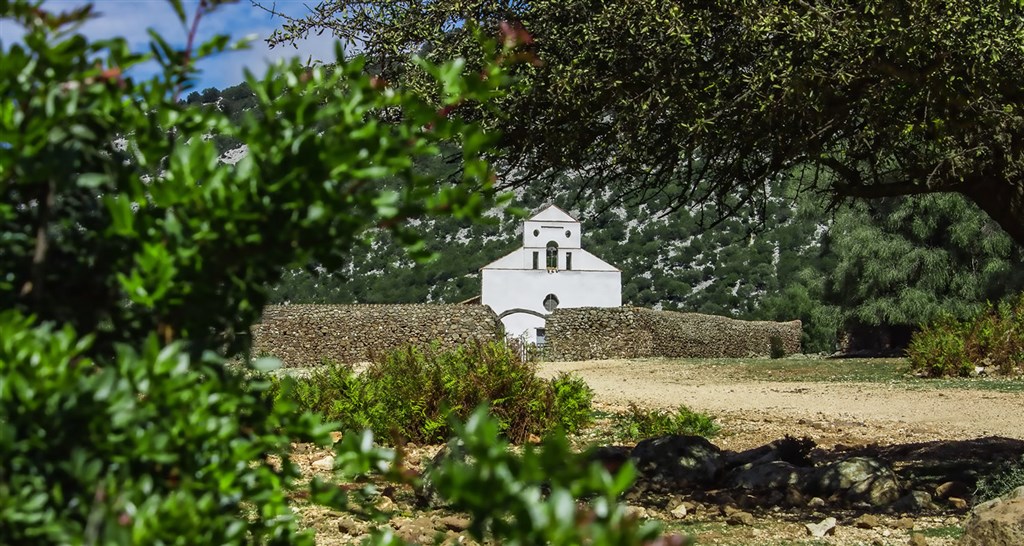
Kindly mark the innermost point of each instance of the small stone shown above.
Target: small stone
(917, 539)
(679, 512)
(952, 489)
(915, 501)
(794, 497)
(824, 527)
(741, 518)
(816, 502)
(904, 523)
(636, 512)
(958, 503)
(335, 436)
(349, 526)
(867, 521)
(327, 463)
(385, 504)
(455, 523)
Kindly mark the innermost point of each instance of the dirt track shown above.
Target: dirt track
(845, 413)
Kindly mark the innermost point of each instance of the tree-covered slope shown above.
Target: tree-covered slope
(898, 262)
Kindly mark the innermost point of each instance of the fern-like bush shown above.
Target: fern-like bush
(639, 423)
(994, 338)
(573, 402)
(414, 394)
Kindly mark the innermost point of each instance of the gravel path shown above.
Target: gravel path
(845, 413)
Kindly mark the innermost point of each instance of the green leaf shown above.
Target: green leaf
(267, 364)
(93, 180)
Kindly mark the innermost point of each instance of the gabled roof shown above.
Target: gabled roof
(552, 214)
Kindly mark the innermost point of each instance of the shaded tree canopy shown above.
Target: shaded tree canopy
(706, 101)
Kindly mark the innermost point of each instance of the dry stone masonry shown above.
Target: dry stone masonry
(589, 333)
(306, 335)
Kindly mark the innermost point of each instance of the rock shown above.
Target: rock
(867, 521)
(454, 523)
(917, 539)
(952, 489)
(426, 494)
(795, 497)
(995, 523)
(723, 498)
(860, 480)
(768, 476)
(327, 463)
(385, 504)
(904, 523)
(351, 526)
(611, 457)
(914, 502)
(679, 512)
(741, 518)
(816, 502)
(678, 461)
(824, 527)
(635, 512)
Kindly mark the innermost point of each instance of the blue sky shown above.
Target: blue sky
(131, 18)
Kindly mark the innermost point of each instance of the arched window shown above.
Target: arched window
(550, 302)
(552, 255)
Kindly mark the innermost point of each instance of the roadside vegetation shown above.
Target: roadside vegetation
(416, 395)
(638, 423)
(991, 340)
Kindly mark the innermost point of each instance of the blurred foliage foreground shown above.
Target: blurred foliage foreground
(129, 255)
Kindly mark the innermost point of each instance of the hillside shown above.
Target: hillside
(868, 269)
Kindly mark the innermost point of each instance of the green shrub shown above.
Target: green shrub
(151, 447)
(118, 423)
(573, 402)
(1007, 477)
(939, 349)
(414, 394)
(993, 338)
(536, 491)
(638, 423)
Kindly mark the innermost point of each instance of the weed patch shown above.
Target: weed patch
(1006, 478)
(638, 423)
(994, 338)
(413, 395)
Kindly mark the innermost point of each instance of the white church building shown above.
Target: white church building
(549, 271)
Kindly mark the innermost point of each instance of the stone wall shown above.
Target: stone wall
(305, 335)
(631, 332)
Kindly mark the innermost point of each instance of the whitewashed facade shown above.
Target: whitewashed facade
(551, 270)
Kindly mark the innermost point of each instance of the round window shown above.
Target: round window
(550, 302)
(568, 234)
(536, 232)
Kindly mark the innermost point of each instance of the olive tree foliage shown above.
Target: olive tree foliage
(708, 101)
(130, 256)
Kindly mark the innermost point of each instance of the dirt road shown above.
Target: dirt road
(846, 413)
